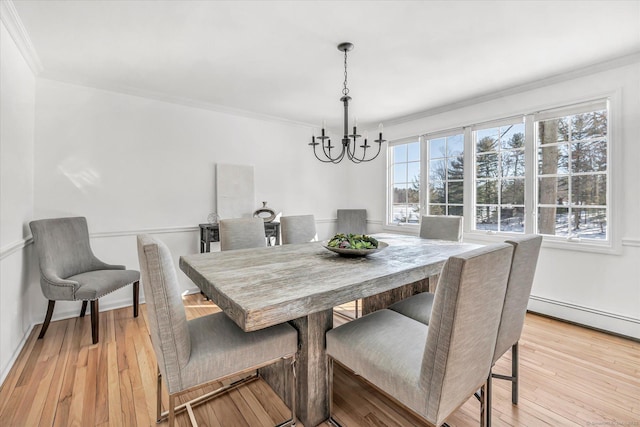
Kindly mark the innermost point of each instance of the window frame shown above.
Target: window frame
(387, 224)
(426, 168)
(613, 243)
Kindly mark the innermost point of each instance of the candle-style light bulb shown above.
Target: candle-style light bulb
(380, 128)
(324, 124)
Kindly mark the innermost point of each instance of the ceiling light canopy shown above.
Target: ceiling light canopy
(349, 142)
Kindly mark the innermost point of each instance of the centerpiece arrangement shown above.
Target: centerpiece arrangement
(354, 244)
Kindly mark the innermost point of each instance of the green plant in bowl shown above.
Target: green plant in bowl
(353, 241)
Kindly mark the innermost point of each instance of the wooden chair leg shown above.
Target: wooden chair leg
(95, 320)
(47, 318)
(83, 311)
(136, 297)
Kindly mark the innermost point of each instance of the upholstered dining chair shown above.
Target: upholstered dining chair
(352, 221)
(242, 233)
(191, 354)
(69, 271)
(526, 250)
(522, 271)
(442, 227)
(298, 229)
(432, 369)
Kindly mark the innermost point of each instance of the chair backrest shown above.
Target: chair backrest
(298, 229)
(167, 320)
(63, 249)
(441, 227)
(463, 328)
(242, 233)
(352, 221)
(523, 268)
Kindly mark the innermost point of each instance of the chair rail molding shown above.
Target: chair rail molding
(15, 247)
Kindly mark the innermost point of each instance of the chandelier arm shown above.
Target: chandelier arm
(317, 157)
(328, 155)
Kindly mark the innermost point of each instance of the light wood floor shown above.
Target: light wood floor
(570, 376)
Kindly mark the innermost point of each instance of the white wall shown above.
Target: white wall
(600, 290)
(17, 105)
(131, 164)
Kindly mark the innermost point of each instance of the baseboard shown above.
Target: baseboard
(586, 316)
(14, 357)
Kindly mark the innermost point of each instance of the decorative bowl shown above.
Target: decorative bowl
(355, 252)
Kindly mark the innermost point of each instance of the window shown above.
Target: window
(572, 173)
(499, 177)
(445, 163)
(546, 172)
(404, 182)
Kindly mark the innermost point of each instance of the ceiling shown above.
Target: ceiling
(279, 58)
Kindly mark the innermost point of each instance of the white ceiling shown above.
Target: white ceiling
(279, 58)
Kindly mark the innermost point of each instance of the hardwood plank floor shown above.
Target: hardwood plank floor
(570, 376)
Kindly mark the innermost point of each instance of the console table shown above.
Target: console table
(211, 233)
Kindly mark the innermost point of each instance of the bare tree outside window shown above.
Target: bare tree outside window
(572, 175)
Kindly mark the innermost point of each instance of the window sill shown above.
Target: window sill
(547, 242)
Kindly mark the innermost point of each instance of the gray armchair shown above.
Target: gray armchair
(298, 229)
(432, 369)
(194, 353)
(70, 271)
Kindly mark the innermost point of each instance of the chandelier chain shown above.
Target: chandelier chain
(345, 90)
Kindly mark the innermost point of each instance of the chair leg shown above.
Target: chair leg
(294, 391)
(159, 398)
(136, 297)
(95, 320)
(514, 373)
(483, 405)
(172, 410)
(487, 401)
(47, 319)
(83, 310)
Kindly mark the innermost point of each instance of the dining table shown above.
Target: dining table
(301, 284)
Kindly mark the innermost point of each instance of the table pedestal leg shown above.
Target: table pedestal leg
(312, 374)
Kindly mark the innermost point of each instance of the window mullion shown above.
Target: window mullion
(530, 175)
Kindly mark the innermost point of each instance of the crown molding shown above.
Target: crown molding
(13, 23)
(610, 64)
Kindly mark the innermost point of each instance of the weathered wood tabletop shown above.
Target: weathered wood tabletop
(261, 287)
(302, 283)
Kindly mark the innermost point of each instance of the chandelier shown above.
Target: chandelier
(349, 141)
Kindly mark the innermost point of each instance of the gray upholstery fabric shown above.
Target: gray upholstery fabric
(435, 374)
(201, 350)
(441, 227)
(242, 233)
(523, 268)
(417, 307)
(298, 229)
(68, 268)
(466, 313)
(387, 349)
(352, 221)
